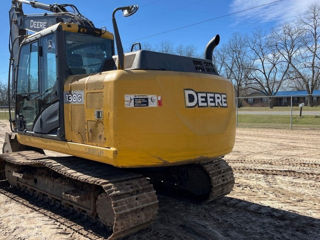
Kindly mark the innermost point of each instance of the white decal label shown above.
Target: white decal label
(38, 25)
(74, 97)
(204, 99)
(18, 175)
(131, 101)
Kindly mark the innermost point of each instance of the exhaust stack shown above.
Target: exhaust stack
(211, 46)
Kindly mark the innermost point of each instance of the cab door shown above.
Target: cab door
(37, 102)
(28, 87)
(47, 122)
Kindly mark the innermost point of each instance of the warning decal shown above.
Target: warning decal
(142, 101)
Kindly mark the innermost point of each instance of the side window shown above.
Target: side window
(28, 81)
(33, 74)
(23, 70)
(49, 74)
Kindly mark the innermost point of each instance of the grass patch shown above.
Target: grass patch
(4, 115)
(277, 121)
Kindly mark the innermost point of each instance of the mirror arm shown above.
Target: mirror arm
(130, 10)
(118, 41)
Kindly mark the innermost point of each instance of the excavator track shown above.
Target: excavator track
(203, 182)
(123, 201)
(221, 178)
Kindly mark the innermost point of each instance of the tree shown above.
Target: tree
(232, 61)
(269, 69)
(190, 51)
(219, 58)
(180, 50)
(299, 45)
(147, 46)
(238, 54)
(166, 47)
(3, 95)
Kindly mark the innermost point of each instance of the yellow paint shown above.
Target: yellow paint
(70, 27)
(75, 149)
(170, 134)
(75, 28)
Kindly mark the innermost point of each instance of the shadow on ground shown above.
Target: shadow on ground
(227, 218)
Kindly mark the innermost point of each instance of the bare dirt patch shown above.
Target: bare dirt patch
(278, 168)
(276, 196)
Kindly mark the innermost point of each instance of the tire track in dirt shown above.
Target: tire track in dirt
(284, 163)
(288, 143)
(271, 183)
(284, 172)
(279, 198)
(302, 186)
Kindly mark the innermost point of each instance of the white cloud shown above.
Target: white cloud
(282, 11)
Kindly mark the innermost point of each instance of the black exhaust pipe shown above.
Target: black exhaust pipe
(211, 46)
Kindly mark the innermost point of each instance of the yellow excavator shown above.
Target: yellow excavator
(128, 124)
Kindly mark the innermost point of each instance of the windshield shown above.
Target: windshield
(87, 54)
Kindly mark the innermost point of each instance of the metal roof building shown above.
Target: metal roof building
(302, 93)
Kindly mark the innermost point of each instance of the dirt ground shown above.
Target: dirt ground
(276, 196)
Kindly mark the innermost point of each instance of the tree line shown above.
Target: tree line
(169, 47)
(287, 57)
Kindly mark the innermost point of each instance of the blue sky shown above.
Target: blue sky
(155, 17)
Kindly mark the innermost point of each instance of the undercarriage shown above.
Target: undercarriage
(123, 200)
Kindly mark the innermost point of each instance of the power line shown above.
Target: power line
(208, 20)
(150, 2)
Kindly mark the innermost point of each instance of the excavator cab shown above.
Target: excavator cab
(45, 60)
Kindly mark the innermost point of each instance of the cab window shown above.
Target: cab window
(49, 62)
(28, 79)
(33, 70)
(87, 54)
(22, 84)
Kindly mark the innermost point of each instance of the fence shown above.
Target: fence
(256, 112)
(278, 112)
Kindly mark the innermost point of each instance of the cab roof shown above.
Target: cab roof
(69, 27)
